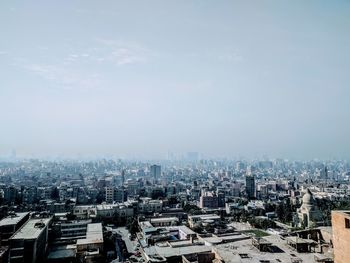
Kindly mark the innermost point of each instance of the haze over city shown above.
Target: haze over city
(228, 78)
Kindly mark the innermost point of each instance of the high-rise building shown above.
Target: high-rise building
(109, 194)
(250, 186)
(123, 176)
(221, 198)
(155, 171)
(120, 195)
(115, 194)
(251, 169)
(192, 156)
(208, 200)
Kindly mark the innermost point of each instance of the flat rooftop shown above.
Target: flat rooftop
(13, 219)
(205, 216)
(230, 252)
(184, 229)
(167, 251)
(94, 234)
(164, 219)
(31, 230)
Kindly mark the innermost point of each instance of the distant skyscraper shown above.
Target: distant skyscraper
(13, 154)
(123, 176)
(250, 170)
(250, 186)
(192, 156)
(239, 166)
(155, 171)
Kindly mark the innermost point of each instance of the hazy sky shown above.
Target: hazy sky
(141, 78)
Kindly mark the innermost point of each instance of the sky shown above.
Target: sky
(142, 78)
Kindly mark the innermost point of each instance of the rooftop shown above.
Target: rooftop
(167, 251)
(205, 216)
(230, 252)
(184, 229)
(13, 219)
(164, 219)
(94, 234)
(32, 229)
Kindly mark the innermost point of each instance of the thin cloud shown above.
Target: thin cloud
(65, 78)
(121, 52)
(230, 57)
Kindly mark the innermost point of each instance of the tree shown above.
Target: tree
(100, 197)
(173, 200)
(284, 211)
(191, 209)
(132, 226)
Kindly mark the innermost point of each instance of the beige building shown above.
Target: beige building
(309, 215)
(341, 236)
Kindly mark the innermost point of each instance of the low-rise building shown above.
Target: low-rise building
(164, 221)
(90, 248)
(207, 218)
(147, 205)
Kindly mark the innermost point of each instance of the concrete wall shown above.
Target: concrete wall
(341, 237)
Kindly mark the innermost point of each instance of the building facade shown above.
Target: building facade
(341, 236)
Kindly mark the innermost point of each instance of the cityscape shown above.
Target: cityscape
(187, 131)
(194, 210)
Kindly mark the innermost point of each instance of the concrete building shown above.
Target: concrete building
(208, 200)
(29, 243)
(114, 194)
(122, 210)
(84, 211)
(80, 241)
(147, 205)
(207, 218)
(10, 224)
(109, 194)
(341, 236)
(73, 228)
(164, 221)
(132, 187)
(90, 248)
(155, 171)
(250, 186)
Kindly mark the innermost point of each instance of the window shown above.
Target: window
(347, 223)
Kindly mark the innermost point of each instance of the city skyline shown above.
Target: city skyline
(230, 79)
